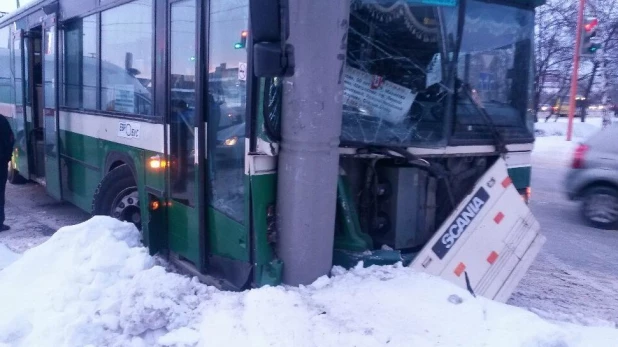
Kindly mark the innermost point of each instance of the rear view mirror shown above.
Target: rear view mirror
(272, 56)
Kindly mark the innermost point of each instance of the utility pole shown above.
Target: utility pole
(310, 129)
(576, 51)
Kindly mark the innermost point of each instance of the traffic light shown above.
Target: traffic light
(590, 44)
(243, 40)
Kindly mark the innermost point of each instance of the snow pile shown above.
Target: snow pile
(93, 285)
(381, 306)
(559, 128)
(551, 146)
(6, 256)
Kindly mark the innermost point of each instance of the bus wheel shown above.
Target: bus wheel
(14, 177)
(117, 196)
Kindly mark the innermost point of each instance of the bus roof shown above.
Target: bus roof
(23, 11)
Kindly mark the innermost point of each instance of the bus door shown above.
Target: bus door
(184, 185)
(49, 101)
(206, 119)
(32, 96)
(18, 73)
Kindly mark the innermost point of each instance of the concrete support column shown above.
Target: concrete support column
(310, 130)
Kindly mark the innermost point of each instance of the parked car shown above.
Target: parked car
(593, 178)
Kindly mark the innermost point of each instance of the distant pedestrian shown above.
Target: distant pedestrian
(7, 141)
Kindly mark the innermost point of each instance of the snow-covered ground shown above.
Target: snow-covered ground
(573, 279)
(92, 284)
(7, 256)
(551, 146)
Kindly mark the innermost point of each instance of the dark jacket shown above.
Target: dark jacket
(7, 140)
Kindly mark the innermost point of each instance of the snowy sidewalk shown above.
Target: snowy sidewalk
(92, 284)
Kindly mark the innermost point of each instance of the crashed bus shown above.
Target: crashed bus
(263, 142)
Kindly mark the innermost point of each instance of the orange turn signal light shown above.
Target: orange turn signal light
(157, 163)
(154, 205)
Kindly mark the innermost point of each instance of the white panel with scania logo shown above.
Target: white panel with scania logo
(491, 239)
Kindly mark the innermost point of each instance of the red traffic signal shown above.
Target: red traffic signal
(591, 24)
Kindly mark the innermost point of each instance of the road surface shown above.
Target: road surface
(574, 278)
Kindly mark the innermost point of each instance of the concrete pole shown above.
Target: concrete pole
(310, 129)
(578, 38)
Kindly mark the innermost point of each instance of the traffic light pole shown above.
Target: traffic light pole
(578, 38)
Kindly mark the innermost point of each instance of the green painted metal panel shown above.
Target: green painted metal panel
(79, 183)
(80, 165)
(521, 176)
(228, 238)
(82, 148)
(263, 194)
(183, 227)
(152, 178)
(269, 274)
(349, 236)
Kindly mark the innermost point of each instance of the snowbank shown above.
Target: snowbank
(551, 146)
(559, 128)
(6, 256)
(92, 284)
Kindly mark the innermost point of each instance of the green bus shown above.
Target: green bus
(184, 118)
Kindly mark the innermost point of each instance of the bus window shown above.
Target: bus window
(6, 89)
(80, 64)
(227, 106)
(182, 104)
(126, 54)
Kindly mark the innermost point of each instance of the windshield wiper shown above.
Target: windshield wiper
(499, 142)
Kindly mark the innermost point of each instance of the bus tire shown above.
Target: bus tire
(13, 176)
(117, 196)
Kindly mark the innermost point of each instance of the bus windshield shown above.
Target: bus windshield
(495, 64)
(407, 63)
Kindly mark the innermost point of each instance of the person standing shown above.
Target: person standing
(7, 141)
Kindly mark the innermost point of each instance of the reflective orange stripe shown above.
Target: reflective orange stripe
(460, 269)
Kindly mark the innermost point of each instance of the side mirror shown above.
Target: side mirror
(272, 56)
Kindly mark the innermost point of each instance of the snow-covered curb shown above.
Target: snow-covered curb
(93, 284)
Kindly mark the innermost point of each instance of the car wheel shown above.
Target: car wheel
(600, 207)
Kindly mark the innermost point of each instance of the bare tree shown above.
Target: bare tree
(553, 52)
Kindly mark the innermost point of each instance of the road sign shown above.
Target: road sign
(242, 71)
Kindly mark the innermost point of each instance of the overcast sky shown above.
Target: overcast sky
(7, 5)
(11, 5)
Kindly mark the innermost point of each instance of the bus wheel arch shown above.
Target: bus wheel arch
(117, 159)
(117, 196)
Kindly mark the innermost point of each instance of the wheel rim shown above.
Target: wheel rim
(126, 207)
(602, 208)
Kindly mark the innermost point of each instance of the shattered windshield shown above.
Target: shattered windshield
(494, 62)
(393, 94)
(401, 90)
